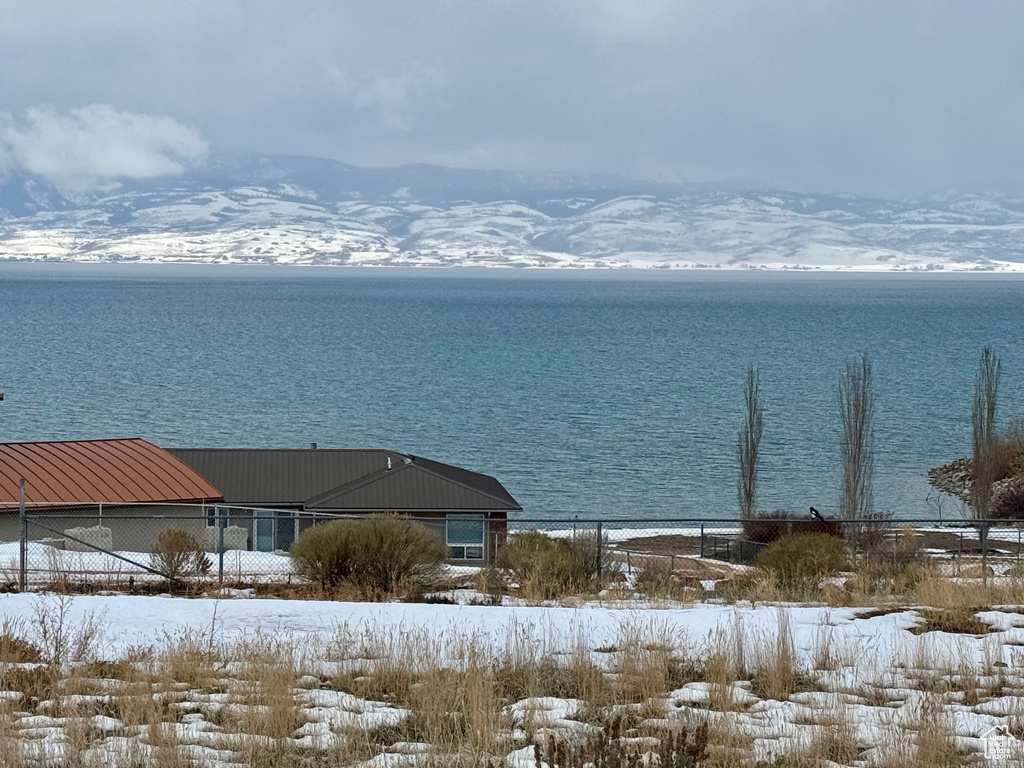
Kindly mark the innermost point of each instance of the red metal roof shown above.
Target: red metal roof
(125, 471)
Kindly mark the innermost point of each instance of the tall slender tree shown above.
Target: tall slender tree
(748, 445)
(856, 449)
(983, 423)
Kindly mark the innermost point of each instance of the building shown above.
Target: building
(78, 483)
(289, 490)
(271, 494)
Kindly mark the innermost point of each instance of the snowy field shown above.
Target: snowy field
(862, 675)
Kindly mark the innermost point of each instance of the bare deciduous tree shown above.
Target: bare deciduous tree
(983, 423)
(748, 445)
(856, 411)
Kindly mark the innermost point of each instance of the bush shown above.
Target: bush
(1008, 504)
(375, 552)
(177, 554)
(804, 557)
(656, 579)
(767, 527)
(1006, 454)
(549, 567)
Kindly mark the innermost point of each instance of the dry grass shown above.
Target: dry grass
(932, 744)
(252, 694)
(959, 620)
(776, 673)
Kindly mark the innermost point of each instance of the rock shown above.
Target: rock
(97, 537)
(957, 478)
(235, 537)
(954, 478)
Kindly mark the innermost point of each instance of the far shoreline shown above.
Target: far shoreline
(184, 269)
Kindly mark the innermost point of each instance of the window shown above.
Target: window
(264, 522)
(464, 535)
(219, 514)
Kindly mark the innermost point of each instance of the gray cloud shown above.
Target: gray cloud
(94, 143)
(872, 96)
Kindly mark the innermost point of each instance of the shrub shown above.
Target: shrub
(1008, 504)
(177, 554)
(1006, 454)
(549, 567)
(767, 527)
(374, 552)
(15, 648)
(657, 579)
(803, 557)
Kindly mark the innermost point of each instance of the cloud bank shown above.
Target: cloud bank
(816, 95)
(90, 145)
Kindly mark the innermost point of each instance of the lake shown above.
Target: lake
(596, 394)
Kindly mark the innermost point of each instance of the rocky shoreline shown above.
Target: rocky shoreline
(957, 478)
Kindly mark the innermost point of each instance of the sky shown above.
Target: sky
(889, 97)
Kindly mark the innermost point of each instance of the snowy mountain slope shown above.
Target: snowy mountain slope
(258, 209)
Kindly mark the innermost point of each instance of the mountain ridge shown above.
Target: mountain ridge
(300, 210)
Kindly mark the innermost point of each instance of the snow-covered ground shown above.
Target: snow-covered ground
(47, 564)
(865, 672)
(131, 620)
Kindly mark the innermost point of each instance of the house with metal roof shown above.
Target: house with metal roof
(138, 489)
(118, 482)
(119, 471)
(288, 490)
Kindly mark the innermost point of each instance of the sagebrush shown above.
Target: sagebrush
(178, 554)
(375, 552)
(804, 557)
(549, 567)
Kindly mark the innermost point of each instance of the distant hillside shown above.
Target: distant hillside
(301, 210)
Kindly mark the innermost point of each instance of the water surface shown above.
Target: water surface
(619, 394)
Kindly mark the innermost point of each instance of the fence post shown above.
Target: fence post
(221, 522)
(23, 543)
(702, 539)
(983, 535)
(600, 545)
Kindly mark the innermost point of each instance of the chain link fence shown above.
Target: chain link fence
(113, 546)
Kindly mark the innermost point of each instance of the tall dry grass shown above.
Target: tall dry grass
(250, 696)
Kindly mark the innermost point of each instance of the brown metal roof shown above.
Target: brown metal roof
(125, 471)
(278, 476)
(331, 480)
(410, 486)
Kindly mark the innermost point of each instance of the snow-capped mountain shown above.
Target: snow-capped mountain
(296, 210)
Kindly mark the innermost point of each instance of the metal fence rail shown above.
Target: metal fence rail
(113, 545)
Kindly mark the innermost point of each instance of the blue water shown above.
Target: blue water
(616, 395)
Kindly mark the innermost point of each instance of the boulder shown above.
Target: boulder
(235, 537)
(98, 537)
(956, 479)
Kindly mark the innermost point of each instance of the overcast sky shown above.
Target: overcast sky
(868, 96)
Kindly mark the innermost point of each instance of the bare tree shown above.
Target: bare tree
(748, 445)
(856, 411)
(983, 423)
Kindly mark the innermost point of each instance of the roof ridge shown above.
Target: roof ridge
(79, 440)
(359, 482)
(462, 484)
(411, 463)
(292, 450)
